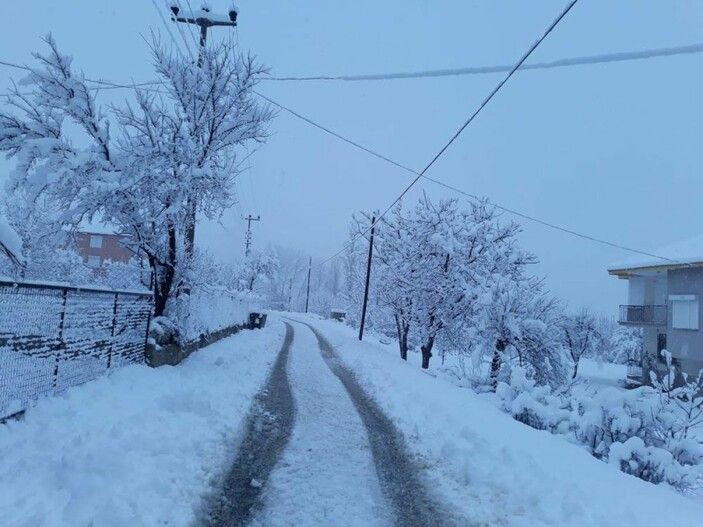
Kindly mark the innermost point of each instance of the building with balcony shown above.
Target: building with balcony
(663, 299)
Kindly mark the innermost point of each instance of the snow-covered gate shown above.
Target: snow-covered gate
(53, 336)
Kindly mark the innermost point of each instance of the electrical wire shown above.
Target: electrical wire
(412, 171)
(419, 175)
(481, 106)
(168, 29)
(623, 56)
(457, 189)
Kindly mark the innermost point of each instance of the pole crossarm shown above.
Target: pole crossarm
(204, 18)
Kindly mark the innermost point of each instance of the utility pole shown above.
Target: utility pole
(204, 20)
(247, 237)
(368, 279)
(307, 296)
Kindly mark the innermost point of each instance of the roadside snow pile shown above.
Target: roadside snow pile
(505, 473)
(139, 447)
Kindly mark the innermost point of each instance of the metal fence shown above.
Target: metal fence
(53, 337)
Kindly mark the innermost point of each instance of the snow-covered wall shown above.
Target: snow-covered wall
(206, 312)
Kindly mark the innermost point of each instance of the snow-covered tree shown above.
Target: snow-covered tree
(518, 323)
(627, 345)
(259, 268)
(173, 150)
(580, 336)
(392, 286)
(458, 254)
(432, 263)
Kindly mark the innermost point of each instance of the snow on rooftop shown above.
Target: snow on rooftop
(682, 252)
(98, 227)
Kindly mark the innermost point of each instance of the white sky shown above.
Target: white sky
(610, 150)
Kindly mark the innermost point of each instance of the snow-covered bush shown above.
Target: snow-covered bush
(645, 432)
(610, 416)
(657, 465)
(532, 404)
(163, 331)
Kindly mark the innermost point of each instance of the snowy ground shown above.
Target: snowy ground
(602, 374)
(501, 471)
(140, 447)
(145, 447)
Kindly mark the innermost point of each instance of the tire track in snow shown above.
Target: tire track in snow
(268, 430)
(398, 475)
(327, 476)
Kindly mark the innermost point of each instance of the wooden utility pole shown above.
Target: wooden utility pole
(307, 296)
(204, 20)
(247, 237)
(368, 279)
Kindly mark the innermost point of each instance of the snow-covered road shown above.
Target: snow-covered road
(326, 475)
(319, 451)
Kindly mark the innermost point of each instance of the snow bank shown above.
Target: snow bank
(504, 472)
(139, 447)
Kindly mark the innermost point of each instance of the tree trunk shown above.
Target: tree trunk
(164, 275)
(426, 350)
(403, 329)
(497, 362)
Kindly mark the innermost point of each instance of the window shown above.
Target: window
(684, 311)
(93, 261)
(96, 241)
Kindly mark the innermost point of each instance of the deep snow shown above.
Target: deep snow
(501, 471)
(140, 447)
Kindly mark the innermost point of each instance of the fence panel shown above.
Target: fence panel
(54, 337)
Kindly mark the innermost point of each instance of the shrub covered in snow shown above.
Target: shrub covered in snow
(644, 432)
(532, 404)
(657, 465)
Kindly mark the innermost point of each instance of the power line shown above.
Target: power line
(456, 189)
(624, 56)
(463, 127)
(168, 29)
(390, 161)
(474, 197)
(110, 85)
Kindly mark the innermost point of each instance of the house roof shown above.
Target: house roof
(681, 253)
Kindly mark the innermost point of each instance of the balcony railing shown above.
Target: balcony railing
(643, 315)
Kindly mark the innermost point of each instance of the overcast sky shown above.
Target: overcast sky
(611, 150)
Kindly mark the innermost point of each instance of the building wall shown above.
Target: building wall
(686, 344)
(112, 248)
(647, 290)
